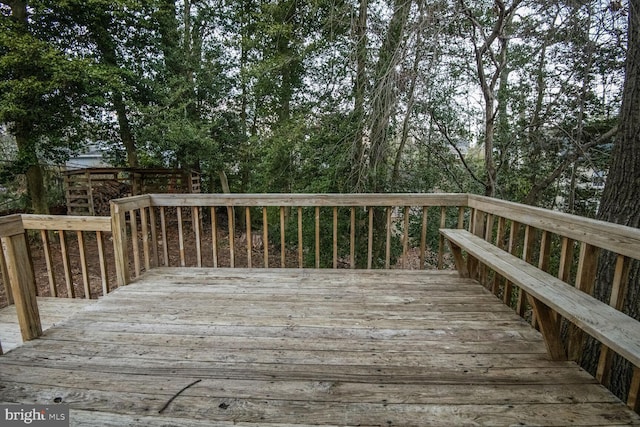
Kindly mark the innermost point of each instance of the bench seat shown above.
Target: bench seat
(611, 327)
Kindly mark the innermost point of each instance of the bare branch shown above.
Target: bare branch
(443, 130)
(569, 158)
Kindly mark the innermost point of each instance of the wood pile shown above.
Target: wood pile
(107, 191)
(89, 191)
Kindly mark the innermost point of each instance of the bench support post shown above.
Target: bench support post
(633, 400)
(550, 328)
(461, 265)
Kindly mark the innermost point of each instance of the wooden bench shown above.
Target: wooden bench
(548, 294)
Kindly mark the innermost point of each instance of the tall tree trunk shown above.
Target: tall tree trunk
(289, 72)
(246, 30)
(485, 48)
(619, 203)
(22, 131)
(384, 101)
(359, 91)
(34, 174)
(126, 135)
(395, 175)
(107, 48)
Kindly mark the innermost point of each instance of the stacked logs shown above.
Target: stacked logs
(107, 191)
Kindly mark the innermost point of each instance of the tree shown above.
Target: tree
(490, 52)
(43, 93)
(619, 203)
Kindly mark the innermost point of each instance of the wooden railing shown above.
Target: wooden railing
(569, 247)
(305, 230)
(321, 231)
(82, 230)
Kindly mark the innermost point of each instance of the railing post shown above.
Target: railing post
(119, 234)
(21, 277)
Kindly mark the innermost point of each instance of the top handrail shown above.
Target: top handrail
(616, 238)
(66, 222)
(321, 200)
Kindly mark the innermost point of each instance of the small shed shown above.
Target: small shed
(88, 191)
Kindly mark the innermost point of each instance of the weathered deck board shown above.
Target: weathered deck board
(53, 311)
(284, 348)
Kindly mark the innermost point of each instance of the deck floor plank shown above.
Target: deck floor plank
(53, 311)
(285, 348)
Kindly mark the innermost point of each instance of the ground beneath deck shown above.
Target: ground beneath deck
(204, 347)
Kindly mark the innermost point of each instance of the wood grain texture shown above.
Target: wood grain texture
(52, 311)
(611, 327)
(23, 286)
(616, 238)
(289, 347)
(66, 222)
(295, 200)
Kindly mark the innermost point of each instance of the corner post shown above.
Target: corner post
(119, 234)
(21, 277)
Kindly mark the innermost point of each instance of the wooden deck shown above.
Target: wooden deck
(203, 347)
(52, 311)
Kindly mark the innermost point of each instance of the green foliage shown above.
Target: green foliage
(267, 93)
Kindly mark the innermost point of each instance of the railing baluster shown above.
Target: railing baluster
(500, 232)
(585, 280)
(247, 213)
(512, 248)
(488, 236)
(133, 220)
(283, 242)
(300, 243)
(183, 261)
(155, 260)
(618, 292)
(527, 255)
(265, 236)
(317, 236)
(83, 265)
(145, 238)
(5, 280)
(46, 246)
(335, 237)
(195, 215)
(370, 240)
(405, 236)
(104, 275)
(163, 232)
(443, 217)
(566, 259)
(387, 251)
(352, 239)
(232, 236)
(461, 217)
(66, 265)
(545, 251)
(214, 236)
(423, 238)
